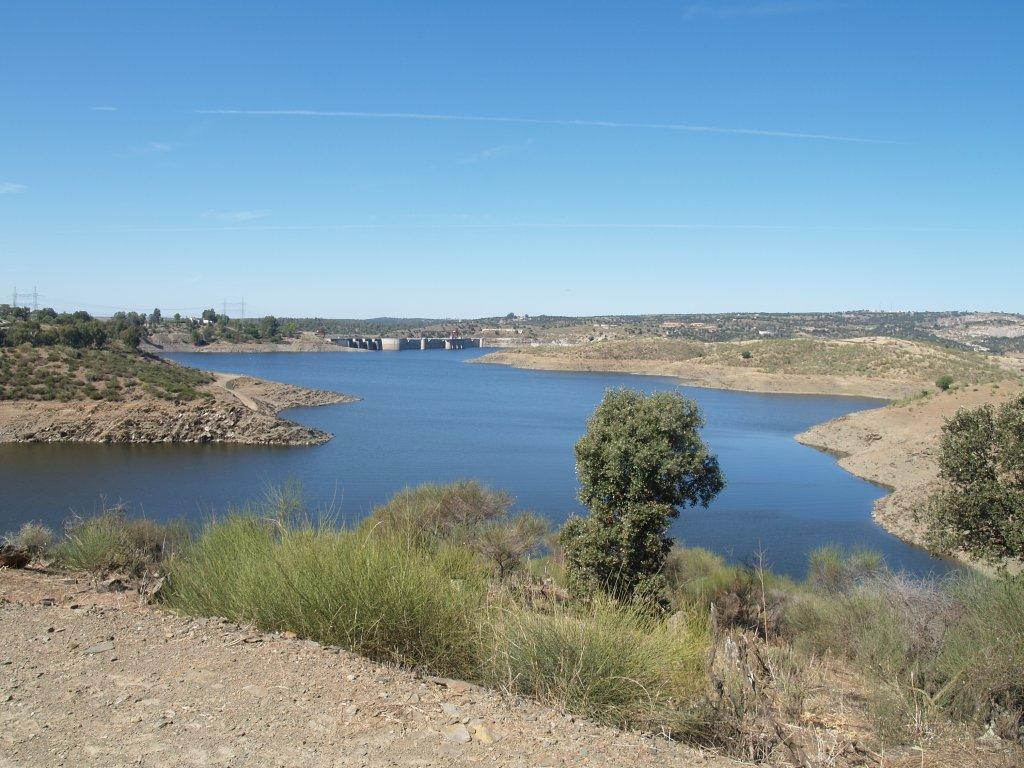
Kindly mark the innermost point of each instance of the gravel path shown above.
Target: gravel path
(98, 679)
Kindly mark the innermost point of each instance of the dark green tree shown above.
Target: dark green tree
(131, 336)
(980, 509)
(155, 317)
(269, 328)
(641, 460)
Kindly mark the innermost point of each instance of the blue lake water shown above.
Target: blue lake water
(429, 417)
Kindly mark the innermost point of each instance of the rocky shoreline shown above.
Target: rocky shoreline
(239, 410)
(897, 447)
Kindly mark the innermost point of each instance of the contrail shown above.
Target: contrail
(115, 228)
(539, 121)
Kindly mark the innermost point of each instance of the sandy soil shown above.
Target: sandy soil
(897, 446)
(239, 409)
(715, 377)
(101, 679)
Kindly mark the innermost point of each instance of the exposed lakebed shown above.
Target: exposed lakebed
(425, 416)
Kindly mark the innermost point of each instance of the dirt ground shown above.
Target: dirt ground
(90, 678)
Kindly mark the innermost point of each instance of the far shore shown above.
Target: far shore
(714, 377)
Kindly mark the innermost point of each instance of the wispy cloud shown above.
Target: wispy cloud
(491, 152)
(10, 188)
(485, 154)
(756, 10)
(103, 109)
(542, 121)
(235, 216)
(154, 147)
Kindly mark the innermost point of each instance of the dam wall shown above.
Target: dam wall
(397, 343)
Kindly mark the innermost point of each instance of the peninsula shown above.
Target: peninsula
(71, 378)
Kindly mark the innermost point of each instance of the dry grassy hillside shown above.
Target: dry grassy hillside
(875, 366)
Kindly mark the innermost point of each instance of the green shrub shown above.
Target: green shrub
(944, 382)
(642, 459)
(431, 513)
(980, 507)
(112, 542)
(463, 513)
(611, 663)
(377, 595)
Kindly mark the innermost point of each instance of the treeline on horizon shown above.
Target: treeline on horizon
(706, 327)
(78, 330)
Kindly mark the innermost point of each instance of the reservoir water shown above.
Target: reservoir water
(429, 417)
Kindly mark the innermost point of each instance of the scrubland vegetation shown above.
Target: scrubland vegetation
(853, 665)
(930, 661)
(66, 374)
(67, 357)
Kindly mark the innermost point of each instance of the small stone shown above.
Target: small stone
(458, 733)
(484, 735)
(114, 584)
(99, 648)
(451, 710)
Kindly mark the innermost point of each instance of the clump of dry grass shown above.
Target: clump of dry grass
(34, 539)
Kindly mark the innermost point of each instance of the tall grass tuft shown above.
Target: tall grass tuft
(743, 597)
(607, 662)
(380, 596)
(981, 661)
(113, 542)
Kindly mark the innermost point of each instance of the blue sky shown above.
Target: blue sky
(359, 159)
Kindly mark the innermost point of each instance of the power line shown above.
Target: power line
(34, 295)
(235, 307)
